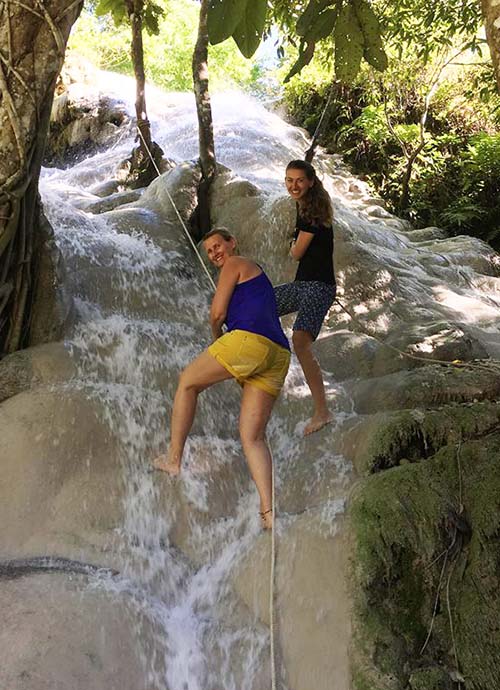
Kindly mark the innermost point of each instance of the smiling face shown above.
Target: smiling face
(297, 183)
(218, 249)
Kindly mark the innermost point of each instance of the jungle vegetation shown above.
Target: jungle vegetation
(425, 132)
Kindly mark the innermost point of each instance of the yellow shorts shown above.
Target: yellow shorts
(253, 359)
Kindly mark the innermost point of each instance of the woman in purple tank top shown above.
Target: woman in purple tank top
(254, 351)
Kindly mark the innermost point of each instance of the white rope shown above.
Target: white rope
(273, 503)
(188, 234)
(271, 583)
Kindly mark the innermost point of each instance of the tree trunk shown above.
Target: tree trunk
(201, 222)
(491, 14)
(33, 37)
(404, 201)
(146, 159)
(135, 9)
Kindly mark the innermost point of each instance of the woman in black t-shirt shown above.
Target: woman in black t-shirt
(313, 290)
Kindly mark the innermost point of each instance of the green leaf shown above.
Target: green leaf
(118, 13)
(223, 18)
(105, 6)
(248, 32)
(305, 57)
(151, 25)
(151, 18)
(309, 16)
(323, 25)
(374, 52)
(349, 45)
(376, 57)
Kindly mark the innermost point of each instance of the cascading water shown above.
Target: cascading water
(191, 597)
(141, 314)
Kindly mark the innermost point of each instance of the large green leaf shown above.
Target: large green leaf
(306, 53)
(151, 17)
(349, 45)
(374, 52)
(322, 26)
(223, 18)
(309, 15)
(105, 6)
(118, 13)
(248, 32)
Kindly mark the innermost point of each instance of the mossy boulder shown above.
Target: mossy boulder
(427, 571)
(389, 439)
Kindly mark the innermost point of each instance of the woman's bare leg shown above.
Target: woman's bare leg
(302, 344)
(203, 372)
(256, 406)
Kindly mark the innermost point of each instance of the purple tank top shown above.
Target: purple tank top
(252, 307)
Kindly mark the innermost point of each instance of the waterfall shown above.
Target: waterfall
(142, 303)
(193, 565)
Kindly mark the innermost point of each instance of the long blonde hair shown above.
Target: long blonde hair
(316, 205)
(223, 232)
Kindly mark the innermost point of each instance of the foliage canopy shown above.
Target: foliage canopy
(351, 26)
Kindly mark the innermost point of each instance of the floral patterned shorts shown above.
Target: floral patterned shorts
(310, 298)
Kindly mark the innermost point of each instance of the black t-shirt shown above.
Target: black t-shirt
(317, 262)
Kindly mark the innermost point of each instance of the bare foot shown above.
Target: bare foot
(266, 519)
(169, 465)
(317, 422)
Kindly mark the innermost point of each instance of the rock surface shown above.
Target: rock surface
(58, 633)
(83, 120)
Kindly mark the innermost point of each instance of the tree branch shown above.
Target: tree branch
(13, 118)
(55, 30)
(8, 64)
(9, 31)
(27, 8)
(68, 10)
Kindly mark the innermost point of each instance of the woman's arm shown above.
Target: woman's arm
(299, 247)
(228, 279)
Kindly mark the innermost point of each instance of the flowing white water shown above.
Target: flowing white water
(141, 301)
(141, 316)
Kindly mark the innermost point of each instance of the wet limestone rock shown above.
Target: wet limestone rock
(262, 231)
(421, 297)
(83, 120)
(427, 386)
(26, 369)
(178, 184)
(59, 493)
(110, 202)
(213, 480)
(57, 632)
(311, 604)
(348, 355)
(52, 306)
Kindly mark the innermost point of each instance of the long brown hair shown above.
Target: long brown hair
(316, 205)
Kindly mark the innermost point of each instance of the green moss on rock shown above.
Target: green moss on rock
(427, 534)
(413, 435)
(430, 679)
